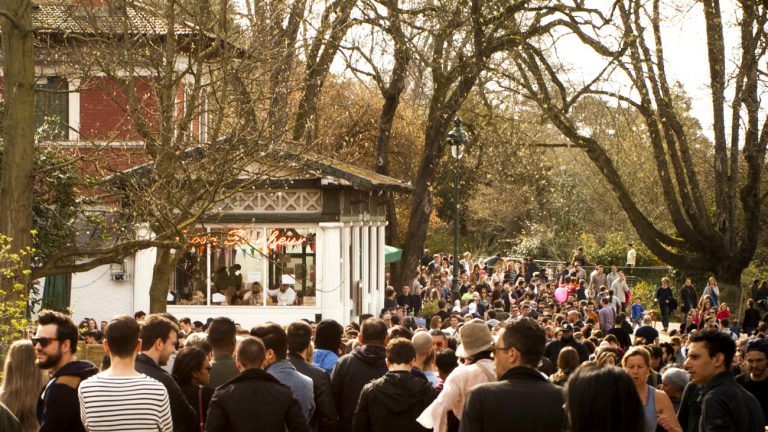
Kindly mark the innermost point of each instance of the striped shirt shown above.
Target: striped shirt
(134, 403)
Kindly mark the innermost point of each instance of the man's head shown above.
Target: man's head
(275, 341)
(422, 343)
(673, 382)
(756, 357)
(283, 287)
(710, 352)
(373, 331)
(55, 340)
(122, 337)
(140, 316)
(567, 332)
(250, 354)
(222, 335)
(519, 343)
(299, 335)
(599, 269)
(400, 354)
(454, 321)
(328, 335)
(185, 325)
(158, 338)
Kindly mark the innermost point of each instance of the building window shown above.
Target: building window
(52, 108)
(248, 267)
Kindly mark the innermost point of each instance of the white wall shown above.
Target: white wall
(95, 295)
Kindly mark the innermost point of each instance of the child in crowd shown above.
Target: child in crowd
(636, 315)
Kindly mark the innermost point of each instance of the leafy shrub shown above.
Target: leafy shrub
(428, 309)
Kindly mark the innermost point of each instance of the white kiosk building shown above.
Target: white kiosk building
(310, 246)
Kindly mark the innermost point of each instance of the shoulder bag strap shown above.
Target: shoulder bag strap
(488, 374)
(200, 407)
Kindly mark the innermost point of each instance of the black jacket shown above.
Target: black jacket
(688, 298)
(324, 418)
(726, 406)
(58, 408)
(522, 399)
(751, 318)
(196, 396)
(392, 403)
(185, 417)
(352, 372)
(255, 401)
(664, 294)
(554, 347)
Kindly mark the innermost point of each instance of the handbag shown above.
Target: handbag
(672, 303)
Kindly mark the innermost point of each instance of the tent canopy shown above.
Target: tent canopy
(392, 254)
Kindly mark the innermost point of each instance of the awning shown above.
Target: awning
(392, 254)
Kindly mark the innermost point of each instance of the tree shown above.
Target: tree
(460, 42)
(16, 172)
(718, 235)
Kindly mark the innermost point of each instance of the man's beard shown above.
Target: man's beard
(758, 372)
(567, 338)
(51, 361)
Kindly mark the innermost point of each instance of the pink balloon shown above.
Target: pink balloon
(561, 295)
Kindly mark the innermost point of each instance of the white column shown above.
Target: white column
(346, 280)
(74, 110)
(142, 271)
(331, 267)
(373, 271)
(355, 282)
(365, 264)
(380, 265)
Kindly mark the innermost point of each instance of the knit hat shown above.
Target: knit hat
(475, 337)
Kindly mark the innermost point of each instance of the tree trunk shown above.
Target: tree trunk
(16, 180)
(165, 263)
(731, 290)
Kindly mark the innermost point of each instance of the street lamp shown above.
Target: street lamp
(456, 139)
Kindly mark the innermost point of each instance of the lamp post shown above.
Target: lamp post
(456, 139)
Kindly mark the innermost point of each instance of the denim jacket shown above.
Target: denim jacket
(301, 385)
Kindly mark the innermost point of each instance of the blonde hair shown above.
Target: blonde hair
(665, 280)
(637, 351)
(22, 381)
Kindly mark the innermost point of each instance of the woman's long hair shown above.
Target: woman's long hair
(22, 382)
(186, 364)
(618, 407)
(567, 362)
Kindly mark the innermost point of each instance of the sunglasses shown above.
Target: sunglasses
(44, 342)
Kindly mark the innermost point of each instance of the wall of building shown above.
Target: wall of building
(96, 295)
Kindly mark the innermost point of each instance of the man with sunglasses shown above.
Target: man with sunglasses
(55, 342)
(522, 393)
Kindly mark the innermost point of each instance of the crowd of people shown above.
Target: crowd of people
(515, 346)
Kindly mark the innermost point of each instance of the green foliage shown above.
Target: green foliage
(13, 304)
(57, 203)
(646, 292)
(613, 250)
(428, 309)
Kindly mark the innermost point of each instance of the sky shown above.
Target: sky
(684, 39)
